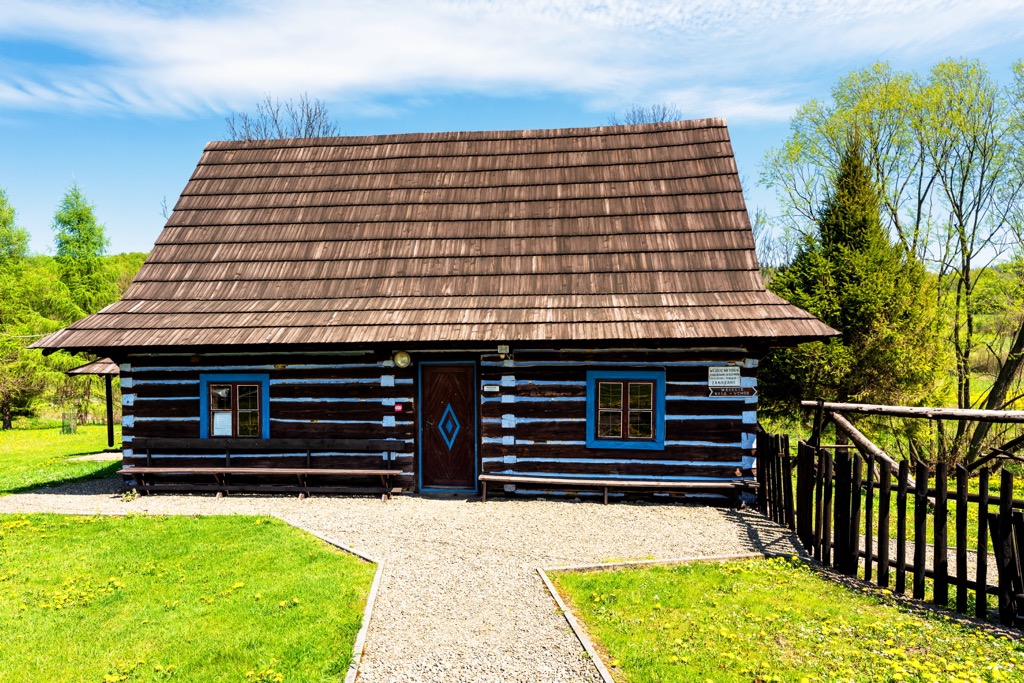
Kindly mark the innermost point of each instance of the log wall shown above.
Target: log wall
(336, 395)
(536, 422)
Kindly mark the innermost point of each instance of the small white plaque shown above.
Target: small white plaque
(503, 349)
(222, 424)
(492, 387)
(724, 376)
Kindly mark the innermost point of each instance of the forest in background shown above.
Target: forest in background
(902, 226)
(40, 294)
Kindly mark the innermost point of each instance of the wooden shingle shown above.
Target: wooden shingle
(611, 233)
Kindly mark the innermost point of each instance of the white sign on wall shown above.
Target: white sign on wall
(724, 376)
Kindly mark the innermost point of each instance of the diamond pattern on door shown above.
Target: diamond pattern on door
(449, 426)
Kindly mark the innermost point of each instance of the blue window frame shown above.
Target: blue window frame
(626, 409)
(234, 405)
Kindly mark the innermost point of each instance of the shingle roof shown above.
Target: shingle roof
(612, 233)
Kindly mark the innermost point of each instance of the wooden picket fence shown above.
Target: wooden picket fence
(841, 506)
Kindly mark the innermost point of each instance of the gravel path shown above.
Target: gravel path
(460, 599)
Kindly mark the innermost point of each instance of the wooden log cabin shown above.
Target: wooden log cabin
(548, 311)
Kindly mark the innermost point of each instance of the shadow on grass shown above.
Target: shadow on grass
(764, 535)
(108, 470)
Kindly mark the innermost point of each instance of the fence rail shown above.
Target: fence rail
(840, 504)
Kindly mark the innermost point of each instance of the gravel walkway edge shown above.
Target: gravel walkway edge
(360, 643)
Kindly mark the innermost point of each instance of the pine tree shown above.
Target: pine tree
(81, 244)
(850, 275)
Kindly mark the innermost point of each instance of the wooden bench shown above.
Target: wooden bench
(144, 475)
(730, 488)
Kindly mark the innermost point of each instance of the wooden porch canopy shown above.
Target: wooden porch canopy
(108, 369)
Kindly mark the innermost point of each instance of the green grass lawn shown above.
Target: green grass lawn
(772, 620)
(30, 458)
(144, 598)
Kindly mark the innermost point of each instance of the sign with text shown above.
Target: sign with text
(724, 376)
(732, 391)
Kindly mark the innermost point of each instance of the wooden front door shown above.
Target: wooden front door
(448, 427)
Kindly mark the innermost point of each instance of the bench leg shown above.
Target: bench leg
(483, 492)
(605, 495)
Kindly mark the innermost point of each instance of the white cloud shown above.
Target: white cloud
(730, 57)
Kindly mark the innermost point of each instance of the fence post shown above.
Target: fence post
(819, 489)
(981, 572)
(776, 482)
(787, 485)
(869, 511)
(827, 509)
(901, 528)
(920, 528)
(762, 471)
(801, 494)
(1004, 540)
(853, 539)
(884, 495)
(940, 559)
(961, 539)
(841, 519)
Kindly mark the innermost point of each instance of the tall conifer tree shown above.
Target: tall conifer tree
(850, 275)
(81, 244)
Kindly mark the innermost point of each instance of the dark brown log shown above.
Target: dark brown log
(869, 512)
(165, 428)
(961, 539)
(819, 501)
(862, 443)
(147, 391)
(920, 529)
(841, 551)
(315, 410)
(787, 485)
(241, 445)
(109, 395)
(941, 524)
(826, 522)
(608, 469)
(761, 472)
(186, 407)
(981, 570)
(995, 416)
(884, 503)
(1003, 540)
(855, 511)
(696, 453)
(645, 355)
(901, 527)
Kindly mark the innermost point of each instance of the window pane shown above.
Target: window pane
(640, 425)
(220, 396)
(640, 395)
(221, 423)
(609, 424)
(248, 397)
(248, 423)
(611, 394)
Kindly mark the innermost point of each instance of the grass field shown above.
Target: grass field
(30, 458)
(772, 620)
(174, 598)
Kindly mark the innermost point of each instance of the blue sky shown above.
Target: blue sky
(121, 96)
